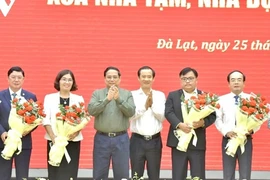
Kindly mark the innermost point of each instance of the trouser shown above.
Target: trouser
(66, 170)
(196, 159)
(244, 161)
(111, 148)
(22, 162)
(142, 151)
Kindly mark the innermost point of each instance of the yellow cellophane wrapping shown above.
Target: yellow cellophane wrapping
(194, 115)
(244, 124)
(64, 130)
(17, 128)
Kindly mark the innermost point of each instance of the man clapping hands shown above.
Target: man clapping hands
(112, 107)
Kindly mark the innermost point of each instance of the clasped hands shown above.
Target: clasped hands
(185, 127)
(113, 93)
(149, 101)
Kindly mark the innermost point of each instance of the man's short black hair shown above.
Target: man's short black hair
(146, 67)
(15, 68)
(112, 68)
(187, 70)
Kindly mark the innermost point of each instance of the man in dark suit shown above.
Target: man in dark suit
(195, 155)
(15, 81)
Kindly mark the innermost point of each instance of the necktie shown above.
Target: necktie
(14, 95)
(236, 100)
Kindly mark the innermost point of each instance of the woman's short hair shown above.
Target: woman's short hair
(60, 75)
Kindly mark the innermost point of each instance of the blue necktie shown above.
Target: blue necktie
(236, 100)
(14, 95)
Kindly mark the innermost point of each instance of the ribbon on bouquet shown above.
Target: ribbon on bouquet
(234, 143)
(58, 149)
(12, 143)
(184, 139)
(67, 156)
(15, 135)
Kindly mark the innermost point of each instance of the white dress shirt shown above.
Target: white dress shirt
(148, 122)
(18, 93)
(51, 108)
(189, 95)
(226, 115)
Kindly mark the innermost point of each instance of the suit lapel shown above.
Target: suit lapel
(57, 98)
(73, 100)
(7, 97)
(23, 94)
(178, 98)
(181, 95)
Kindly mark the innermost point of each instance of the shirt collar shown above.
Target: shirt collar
(141, 91)
(195, 92)
(232, 94)
(18, 93)
(189, 95)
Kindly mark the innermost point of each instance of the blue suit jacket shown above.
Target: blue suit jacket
(5, 106)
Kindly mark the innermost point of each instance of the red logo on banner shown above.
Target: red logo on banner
(5, 7)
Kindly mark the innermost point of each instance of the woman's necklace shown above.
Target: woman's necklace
(65, 100)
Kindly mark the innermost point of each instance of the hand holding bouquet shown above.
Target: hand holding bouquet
(251, 114)
(24, 117)
(193, 110)
(70, 120)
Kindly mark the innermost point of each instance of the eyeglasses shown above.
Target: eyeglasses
(16, 77)
(112, 77)
(187, 79)
(69, 80)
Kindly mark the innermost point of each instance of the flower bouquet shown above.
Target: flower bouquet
(24, 117)
(193, 110)
(70, 120)
(251, 114)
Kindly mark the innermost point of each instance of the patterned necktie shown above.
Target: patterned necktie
(236, 100)
(14, 95)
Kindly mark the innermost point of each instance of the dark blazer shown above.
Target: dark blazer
(5, 106)
(173, 114)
